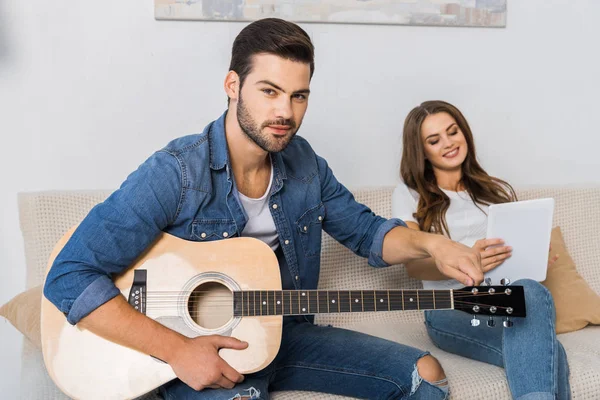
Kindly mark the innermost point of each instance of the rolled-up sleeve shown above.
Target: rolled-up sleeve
(376, 256)
(351, 223)
(113, 235)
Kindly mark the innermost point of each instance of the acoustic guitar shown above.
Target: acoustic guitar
(229, 287)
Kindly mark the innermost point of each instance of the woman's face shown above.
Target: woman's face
(444, 143)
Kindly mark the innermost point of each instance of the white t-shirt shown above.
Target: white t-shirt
(260, 223)
(466, 222)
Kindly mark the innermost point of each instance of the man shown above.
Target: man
(248, 174)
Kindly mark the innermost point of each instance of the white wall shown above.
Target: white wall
(89, 89)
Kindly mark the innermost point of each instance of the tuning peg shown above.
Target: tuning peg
(505, 281)
(507, 323)
(491, 323)
(488, 281)
(475, 321)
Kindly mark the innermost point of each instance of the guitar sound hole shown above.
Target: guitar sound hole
(211, 305)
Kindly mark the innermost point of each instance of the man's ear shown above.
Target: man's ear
(232, 85)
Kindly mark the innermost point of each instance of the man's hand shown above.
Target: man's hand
(456, 260)
(197, 362)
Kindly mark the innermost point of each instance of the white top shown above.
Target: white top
(260, 223)
(466, 222)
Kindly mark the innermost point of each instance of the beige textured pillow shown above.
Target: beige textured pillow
(577, 305)
(23, 311)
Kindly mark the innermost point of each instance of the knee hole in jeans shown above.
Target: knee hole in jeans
(430, 369)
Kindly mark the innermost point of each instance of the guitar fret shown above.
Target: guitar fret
(369, 303)
(304, 302)
(426, 299)
(375, 300)
(279, 302)
(410, 300)
(313, 302)
(238, 304)
(403, 308)
(323, 306)
(418, 305)
(344, 301)
(381, 299)
(362, 297)
(355, 300)
(270, 296)
(295, 303)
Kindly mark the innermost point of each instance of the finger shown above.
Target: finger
(491, 266)
(473, 268)
(454, 273)
(230, 373)
(229, 343)
(490, 252)
(483, 243)
(225, 383)
(491, 260)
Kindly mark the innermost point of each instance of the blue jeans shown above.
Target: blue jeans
(534, 360)
(330, 360)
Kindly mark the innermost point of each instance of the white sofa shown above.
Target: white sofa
(45, 216)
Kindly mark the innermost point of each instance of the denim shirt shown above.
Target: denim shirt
(187, 190)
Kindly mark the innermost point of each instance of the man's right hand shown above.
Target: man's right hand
(456, 260)
(198, 364)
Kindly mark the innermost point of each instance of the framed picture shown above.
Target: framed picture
(474, 13)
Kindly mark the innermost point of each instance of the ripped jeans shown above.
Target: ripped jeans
(329, 360)
(534, 360)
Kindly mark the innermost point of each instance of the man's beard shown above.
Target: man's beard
(268, 143)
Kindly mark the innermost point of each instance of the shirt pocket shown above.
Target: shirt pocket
(207, 230)
(309, 227)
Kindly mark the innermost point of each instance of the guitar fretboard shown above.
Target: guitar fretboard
(304, 302)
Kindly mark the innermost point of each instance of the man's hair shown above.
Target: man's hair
(270, 36)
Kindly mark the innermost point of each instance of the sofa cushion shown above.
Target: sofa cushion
(23, 312)
(577, 305)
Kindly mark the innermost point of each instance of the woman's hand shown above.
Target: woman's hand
(551, 259)
(493, 253)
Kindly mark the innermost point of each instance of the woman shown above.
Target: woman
(446, 191)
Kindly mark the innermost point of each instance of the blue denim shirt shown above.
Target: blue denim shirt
(187, 190)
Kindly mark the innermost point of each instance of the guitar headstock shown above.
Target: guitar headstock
(501, 301)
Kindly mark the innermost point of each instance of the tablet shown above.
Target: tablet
(526, 227)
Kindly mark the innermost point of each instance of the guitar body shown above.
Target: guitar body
(189, 289)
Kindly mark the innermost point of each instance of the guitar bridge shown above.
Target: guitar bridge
(137, 294)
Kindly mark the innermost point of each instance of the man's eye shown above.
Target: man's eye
(268, 92)
(300, 97)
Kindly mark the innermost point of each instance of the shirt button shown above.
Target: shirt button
(297, 277)
(287, 241)
(225, 234)
(203, 235)
(275, 206)
(320, 218)
(305, 228)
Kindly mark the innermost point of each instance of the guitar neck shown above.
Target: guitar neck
(253, 303)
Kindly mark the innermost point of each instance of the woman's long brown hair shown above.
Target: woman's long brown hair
(417, 171)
